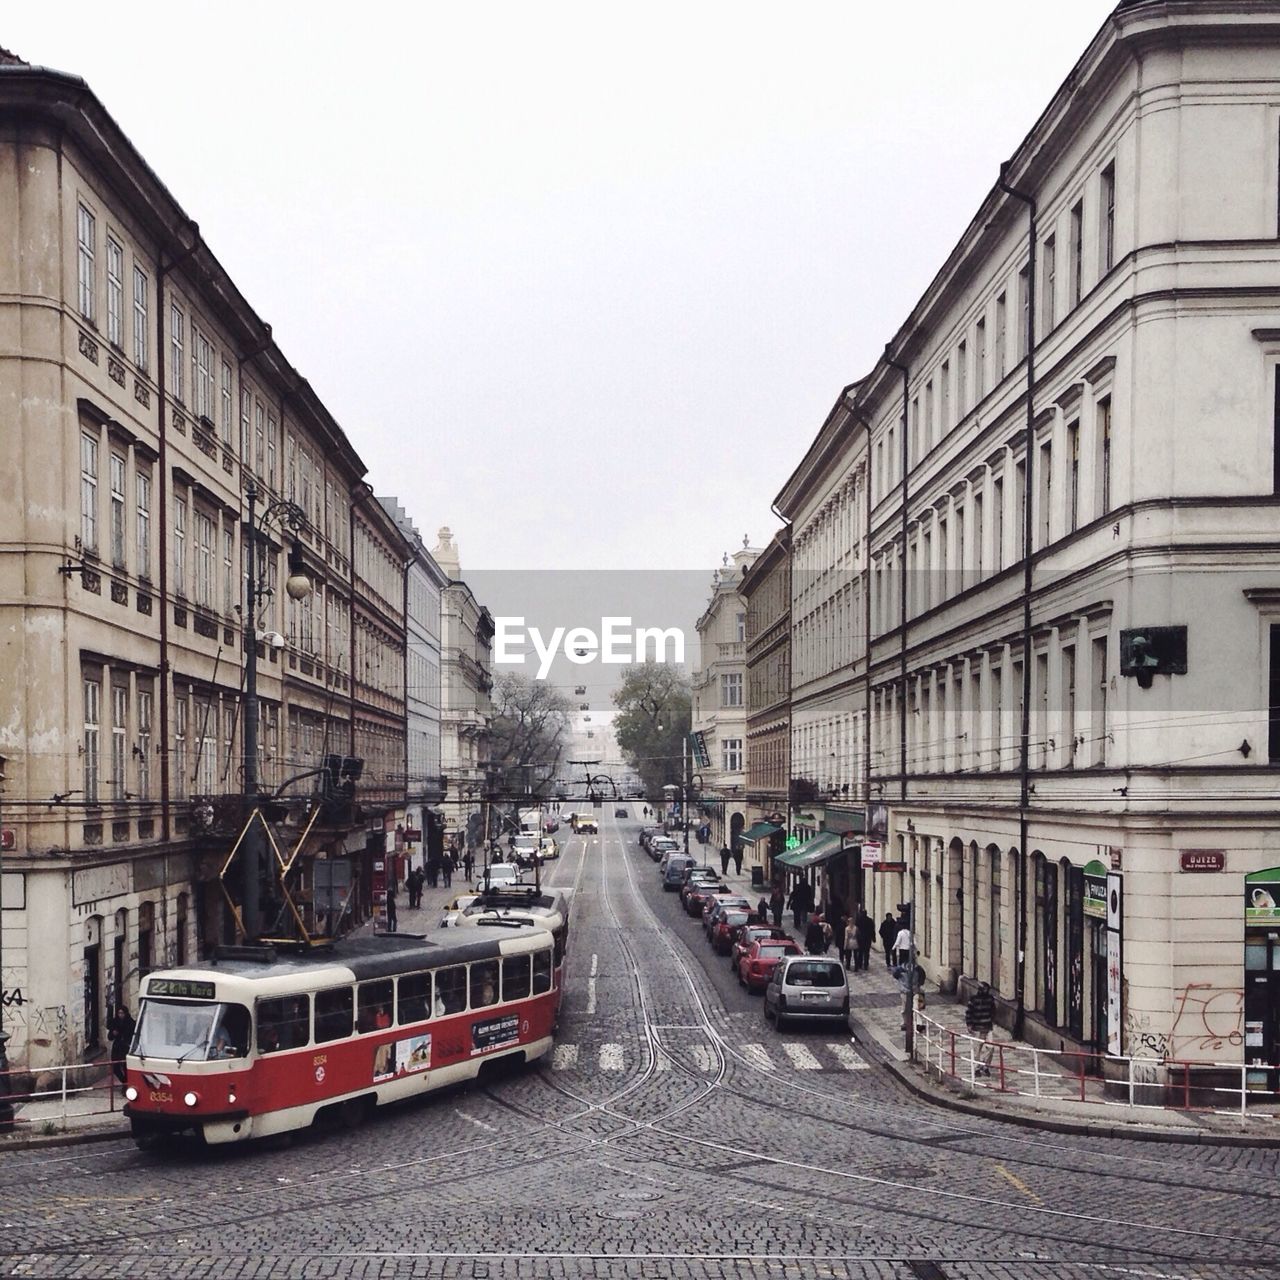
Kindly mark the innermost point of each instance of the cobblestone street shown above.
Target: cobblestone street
(674, 1133)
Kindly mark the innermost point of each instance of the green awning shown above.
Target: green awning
(761, 831)
(812, 852)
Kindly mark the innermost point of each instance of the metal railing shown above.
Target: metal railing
(1164, 1084)
(72, 1092)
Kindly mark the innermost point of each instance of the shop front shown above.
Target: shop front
(1262, 978)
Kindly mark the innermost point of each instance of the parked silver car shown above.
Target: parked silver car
(807, 987)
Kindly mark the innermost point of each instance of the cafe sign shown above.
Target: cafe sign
(1095, 890)
(1262, 896)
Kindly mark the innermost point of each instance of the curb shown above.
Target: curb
(1196, 1137)
(61, 1139)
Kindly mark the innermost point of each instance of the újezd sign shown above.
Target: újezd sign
(1203, 860)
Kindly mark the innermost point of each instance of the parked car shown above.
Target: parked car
(665, 855)
(711, 910)
(749, 933)
(647, 834)
(660, 846)
(698, 895)
(761, 958)
(805, 988)
(726, 925)
(698, 878)
(673, 871)
(525, 851)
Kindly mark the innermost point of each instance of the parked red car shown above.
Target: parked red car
(746, 934)
(699, 895)
(722, 902)
(725, 927)
(699, 879)
(757, 965)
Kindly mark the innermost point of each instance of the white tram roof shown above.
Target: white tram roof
(358, 959)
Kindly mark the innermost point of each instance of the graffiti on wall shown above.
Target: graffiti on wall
(1206, 1020)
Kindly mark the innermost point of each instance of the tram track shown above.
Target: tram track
(653, 1138)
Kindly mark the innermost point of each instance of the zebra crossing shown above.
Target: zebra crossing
(612, 1057)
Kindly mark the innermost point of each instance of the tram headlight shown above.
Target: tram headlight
(130, 1093)
(190, 1099)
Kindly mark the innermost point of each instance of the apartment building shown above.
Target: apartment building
(719, 700)
(143, 402)
(826, 499)
(466, 645)
(766, 592)
(1074, 462)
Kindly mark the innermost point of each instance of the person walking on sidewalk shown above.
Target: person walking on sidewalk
(468, 864)
(446, 869)
(902, 944)
(888, 932)
(777, 899)
(737, 860)
(801, 903)
(815, 938)
(979, 1018)
(864, 939)
(849, 943)
(391, 907)
(725, 855)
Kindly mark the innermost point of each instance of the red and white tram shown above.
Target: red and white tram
(518, 904)
(245, 1048)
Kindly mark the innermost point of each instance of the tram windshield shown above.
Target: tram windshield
(187, 1031)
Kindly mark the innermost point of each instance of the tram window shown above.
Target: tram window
(333, 1014)
(515, 977)
(373, 1005)
(413, 998)
(231, 1036)
(558, 937)
(283, 1023)
(451, 990)
(541, 972)
(484, 984)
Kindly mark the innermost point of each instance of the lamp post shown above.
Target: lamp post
(298, 587)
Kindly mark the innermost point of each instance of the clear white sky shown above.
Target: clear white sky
(580, 280)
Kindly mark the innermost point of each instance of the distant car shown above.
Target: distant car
(699, 878)
(548, 848)
(647, 834)
(621, 813)
(808, 988)
(550, 824)
(722, 902)
(750, 933)
(586, 824)
(660, 846)
(498, 873)
(725, 927)
(761, 958)
(451, 913)
(525, 851)
(698, 895)
(673, 872)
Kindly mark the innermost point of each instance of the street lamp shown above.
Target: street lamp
(297, 586)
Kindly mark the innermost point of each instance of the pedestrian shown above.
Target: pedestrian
(391, 907)
(979, 1018)
(725, 855)
(849, 943)
(865, 933)
(468, 862)
(902, 945)
(446, 869)
(120, 1027)
(737, 859)
(776, 902)
(815, 938)
(888, 933)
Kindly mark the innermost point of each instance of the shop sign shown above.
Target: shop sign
(1262, 896)
(412, 834)
(1095, 890)
(8, 839)
(891, 866)
(1202, 860)
(872, 851)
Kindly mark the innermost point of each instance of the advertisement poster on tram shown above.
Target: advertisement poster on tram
(495, 1033)
(400, 1057)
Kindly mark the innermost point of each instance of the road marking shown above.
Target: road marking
(480, 1124)
(703, 1058)
(565, 1057)
(757, 1056)
(611, 1057)
(801, 1057)
(848, 1057)
(591, 984)
(1014, 1181)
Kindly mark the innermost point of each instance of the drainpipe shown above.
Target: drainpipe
(902, 642)
(1024, 746)
(162, 270)
(791, 568)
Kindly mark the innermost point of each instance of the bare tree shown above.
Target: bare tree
(528, 732)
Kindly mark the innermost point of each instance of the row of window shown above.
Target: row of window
(946, 396)
(291, 1022)
(967, 714)
(828, 751)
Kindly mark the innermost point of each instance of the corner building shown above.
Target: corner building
(139, 396)
(1027, 567)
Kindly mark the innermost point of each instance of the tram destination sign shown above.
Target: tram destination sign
(188, 987)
